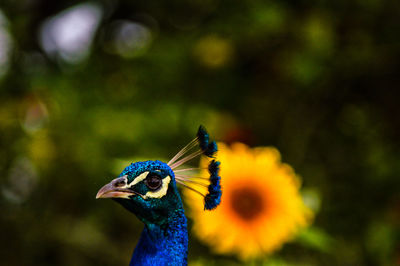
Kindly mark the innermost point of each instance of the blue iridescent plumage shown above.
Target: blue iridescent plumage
(213, 197)
(209, 148)
(149, 190)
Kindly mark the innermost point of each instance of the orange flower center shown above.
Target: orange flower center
(247, 202)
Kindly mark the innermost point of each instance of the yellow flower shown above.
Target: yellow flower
(261, 207)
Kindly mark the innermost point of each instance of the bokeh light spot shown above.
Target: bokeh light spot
(21, 181)
(5, 44)
(213, 51)
(130, 39)
(69, 34)
(36, 115)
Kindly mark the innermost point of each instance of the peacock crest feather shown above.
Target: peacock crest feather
(149, 190)
(213, 197)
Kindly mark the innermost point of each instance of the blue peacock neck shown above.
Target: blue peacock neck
(163, 244)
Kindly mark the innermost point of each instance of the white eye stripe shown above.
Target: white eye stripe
(162, 191)
(152, 194)
(138, 179)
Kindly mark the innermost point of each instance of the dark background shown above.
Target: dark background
(87, 87)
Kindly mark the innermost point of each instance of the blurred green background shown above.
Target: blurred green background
(87, 87)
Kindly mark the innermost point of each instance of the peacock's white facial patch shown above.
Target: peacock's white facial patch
(138, 179)
(159, 193)
(162, 191)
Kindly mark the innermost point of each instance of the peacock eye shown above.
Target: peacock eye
(153, 181)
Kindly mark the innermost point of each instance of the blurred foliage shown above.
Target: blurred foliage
(87, 87)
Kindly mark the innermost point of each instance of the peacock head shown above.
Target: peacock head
(149, 188)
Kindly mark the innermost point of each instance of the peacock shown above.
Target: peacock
(149, 190)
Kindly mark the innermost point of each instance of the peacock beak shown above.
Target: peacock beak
(117, 188)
